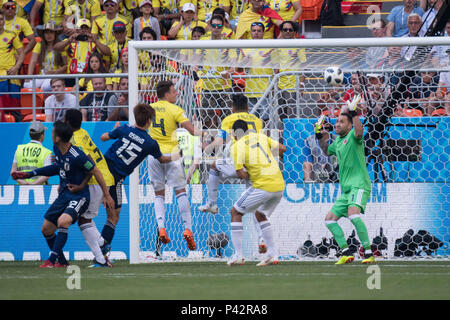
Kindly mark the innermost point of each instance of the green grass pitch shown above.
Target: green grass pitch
(217, 281)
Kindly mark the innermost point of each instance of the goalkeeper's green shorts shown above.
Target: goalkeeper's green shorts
(354, 198)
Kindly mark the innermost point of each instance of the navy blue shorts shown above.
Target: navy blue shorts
(116, 190)
(73, 205)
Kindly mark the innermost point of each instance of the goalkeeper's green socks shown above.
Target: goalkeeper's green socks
(338, 234)
(361, 230)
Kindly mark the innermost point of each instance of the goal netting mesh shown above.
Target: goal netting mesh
(405, 100)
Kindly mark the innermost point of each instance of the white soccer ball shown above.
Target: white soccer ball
(333, 76)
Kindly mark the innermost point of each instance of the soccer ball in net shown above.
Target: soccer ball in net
(333, 76)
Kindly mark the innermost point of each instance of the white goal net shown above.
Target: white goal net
(405, 108)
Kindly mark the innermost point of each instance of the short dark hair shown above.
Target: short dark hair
(218, 11)
(292, 23)
(55, 80)
(348, 116)
(162, 88)
(63, 130)
(240, 102)
(199, 30)
(74, 118)
(148, 30)
(217, 17)
(240, 125)
(142, 113)
(36, 135)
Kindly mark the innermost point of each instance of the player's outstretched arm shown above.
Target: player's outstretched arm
(48, 171)
(192, 130)
(322, 135)
(357, 125)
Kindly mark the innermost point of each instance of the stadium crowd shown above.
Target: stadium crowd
(51, 37)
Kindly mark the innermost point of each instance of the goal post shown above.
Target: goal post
(407, 157)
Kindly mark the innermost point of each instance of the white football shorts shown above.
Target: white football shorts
(171, 172)
(96, 195)
(259, 200)
(226, 168)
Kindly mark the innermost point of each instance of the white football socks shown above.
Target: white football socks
(91, 236)
(160, 211)
(267, 233)
(185, 210)
(237, 229)
(213, 185)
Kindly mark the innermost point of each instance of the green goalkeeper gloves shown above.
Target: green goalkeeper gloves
(352, 104)
(318, 127)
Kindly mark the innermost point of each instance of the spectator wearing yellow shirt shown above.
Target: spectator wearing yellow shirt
(79, 46)
(167, 13)
(17, 24)
(227, 32)
(79, 9)
(9, 45)
(120, 41)
(53, 11)
(287, 9)
(217, 84)
(182, 30)
(206, 8)
(290, 86)
(103, 25)
(255, 87)
(44, 55)
(127, 9)
(123, 68)
(94, 65)
(146, 20)
(237, 7)
(255, 14)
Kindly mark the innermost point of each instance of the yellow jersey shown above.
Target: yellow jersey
(171, 5)
(206, 7)
(254, 123)
(255, 87)
(116, 51)
(103, 26)
(50, 62)
(164, 126)
(288, 58)
(253, 152)
(284, 8)
(185, 33)
(237, 7)
(126, 8)
(19, 25)
(87, 10)
(53, 10)
(82, 140)
(9, 43)
(77, 56)
(212, 61)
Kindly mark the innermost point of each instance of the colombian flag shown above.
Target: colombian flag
(26, 5)
(248, 17)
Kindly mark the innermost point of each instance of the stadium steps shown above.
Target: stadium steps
(355, 25)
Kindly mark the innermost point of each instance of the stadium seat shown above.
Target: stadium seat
(39, 117)
(357, 7)
(68, 89)
(311, 9)
(26, 100)
(163, 37)
(9, 118)
(439, 113)
(412, 113)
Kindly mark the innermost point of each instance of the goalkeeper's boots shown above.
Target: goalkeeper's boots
(47, 264)
(369, 258)
(163, 236)
(209, 207)
(345, 260)
(189, 237)
(236, 261)
(268, 261)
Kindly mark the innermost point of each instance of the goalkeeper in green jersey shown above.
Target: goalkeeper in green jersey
(354, 179)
